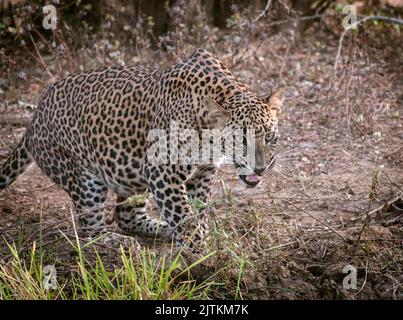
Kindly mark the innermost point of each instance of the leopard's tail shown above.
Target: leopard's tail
(15, 164)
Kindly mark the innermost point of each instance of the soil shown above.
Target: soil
(306, 221)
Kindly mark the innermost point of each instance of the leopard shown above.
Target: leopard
(91, 131)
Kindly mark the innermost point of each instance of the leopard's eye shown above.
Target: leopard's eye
(271, 138)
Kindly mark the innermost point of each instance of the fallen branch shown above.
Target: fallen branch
(386, 205)
(382, 207)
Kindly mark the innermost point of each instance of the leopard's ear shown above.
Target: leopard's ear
(275, 101)
(216, 114)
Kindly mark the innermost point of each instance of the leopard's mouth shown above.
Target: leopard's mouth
(251, 180)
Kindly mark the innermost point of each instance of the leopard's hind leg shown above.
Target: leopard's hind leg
(88, 193)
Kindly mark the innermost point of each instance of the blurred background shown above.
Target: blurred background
(93, 33)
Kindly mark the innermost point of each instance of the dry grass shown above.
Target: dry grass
(333, 199)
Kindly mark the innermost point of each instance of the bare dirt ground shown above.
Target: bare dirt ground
(331, 201)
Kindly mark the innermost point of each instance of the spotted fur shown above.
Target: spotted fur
(89, 135)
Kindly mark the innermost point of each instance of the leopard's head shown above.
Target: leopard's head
(252, 122)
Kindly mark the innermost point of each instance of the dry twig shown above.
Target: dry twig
(316, 219)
